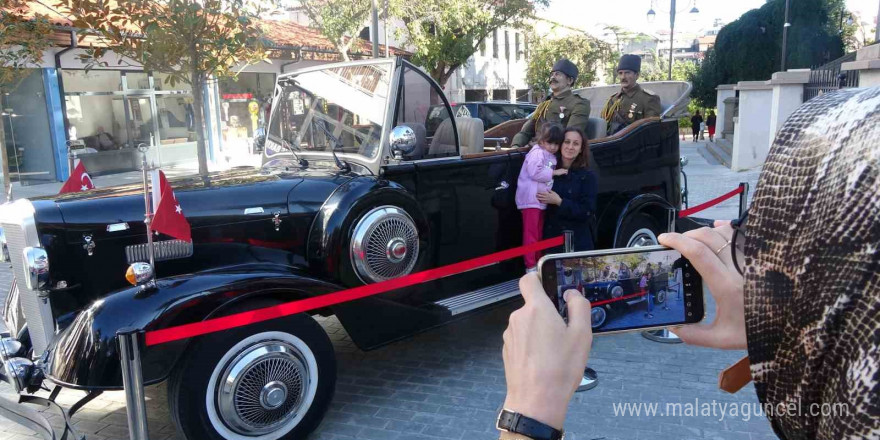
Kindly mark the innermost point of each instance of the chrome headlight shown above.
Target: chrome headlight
(36, 265)
(9, 348)
(18, 372)
(4, 254)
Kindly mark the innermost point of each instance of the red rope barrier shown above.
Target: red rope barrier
(622, 298)
(710, 203)
(184, 331)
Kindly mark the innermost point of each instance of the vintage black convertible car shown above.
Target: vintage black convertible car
(352, 191)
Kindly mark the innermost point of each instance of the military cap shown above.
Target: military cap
(630, 62)
(567, 67)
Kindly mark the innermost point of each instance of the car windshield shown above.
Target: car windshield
(339, 107)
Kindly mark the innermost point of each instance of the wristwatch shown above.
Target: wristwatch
(517, 423)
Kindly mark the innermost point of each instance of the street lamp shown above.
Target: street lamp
(672, 11)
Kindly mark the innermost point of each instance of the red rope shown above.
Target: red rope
(710, 203)
(184, 331)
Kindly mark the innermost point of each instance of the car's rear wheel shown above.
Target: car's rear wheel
(660, 297)
(267, 381)
(641, 230)
(598, 317)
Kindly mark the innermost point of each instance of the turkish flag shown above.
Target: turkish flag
(168, 218)
(78, 181)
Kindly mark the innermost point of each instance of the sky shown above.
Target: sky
(632, 14)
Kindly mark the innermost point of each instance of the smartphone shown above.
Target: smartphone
(639, 288)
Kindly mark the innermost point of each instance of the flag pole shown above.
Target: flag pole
(148, 215)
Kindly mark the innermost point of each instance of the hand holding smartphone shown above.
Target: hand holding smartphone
(630, 289)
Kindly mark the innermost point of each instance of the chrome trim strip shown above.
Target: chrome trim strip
(479, 298)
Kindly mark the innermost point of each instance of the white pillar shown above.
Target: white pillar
(750, 137)
(724, 91)
(868, 64)
(788, 95)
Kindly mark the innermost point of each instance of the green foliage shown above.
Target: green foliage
(190, 40)
(22, 42)
(445, 33)
(587, 52)
(750, 48)
(658, 69)
(338, 20)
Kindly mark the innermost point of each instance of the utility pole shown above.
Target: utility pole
(671, 36)
(877, 24)
(385, 28)
(374, 32)
(785, 36)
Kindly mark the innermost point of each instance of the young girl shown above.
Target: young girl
(536, 177)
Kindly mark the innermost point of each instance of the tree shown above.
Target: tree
(586, 52)
(22, 43)
(445, 33)
(657, 69)
(190, 40)
(338, 20)
(750, 47)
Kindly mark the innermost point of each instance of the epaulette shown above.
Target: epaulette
(649, 91)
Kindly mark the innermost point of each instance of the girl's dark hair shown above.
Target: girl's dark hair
(552, 133)
(583, 159)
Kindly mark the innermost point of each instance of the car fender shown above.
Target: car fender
(331, 229)
(84, 355)
(651, 204)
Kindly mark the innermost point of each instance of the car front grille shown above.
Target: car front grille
(20, 233)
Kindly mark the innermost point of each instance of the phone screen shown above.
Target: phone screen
(629, 290)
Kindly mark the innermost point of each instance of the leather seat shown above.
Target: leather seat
(470, 134)
(596, 128)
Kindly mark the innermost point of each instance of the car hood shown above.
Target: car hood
(218, 198)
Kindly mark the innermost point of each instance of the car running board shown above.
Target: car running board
(479, 298)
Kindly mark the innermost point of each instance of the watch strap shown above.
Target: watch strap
(517, 423)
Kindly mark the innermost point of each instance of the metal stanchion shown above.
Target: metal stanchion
(130, 341)
(743, 198)
(590, 378)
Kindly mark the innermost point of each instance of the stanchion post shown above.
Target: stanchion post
(130, 341)
(743, 198)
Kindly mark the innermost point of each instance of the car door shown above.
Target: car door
(463, 198)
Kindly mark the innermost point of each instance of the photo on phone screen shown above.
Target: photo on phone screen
(629, 289)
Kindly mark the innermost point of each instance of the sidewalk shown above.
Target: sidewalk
(707, 181)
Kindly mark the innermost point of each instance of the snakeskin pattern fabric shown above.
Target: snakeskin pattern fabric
(812, 293)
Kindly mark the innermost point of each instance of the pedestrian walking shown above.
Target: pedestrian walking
(710, 124)
(696, 120)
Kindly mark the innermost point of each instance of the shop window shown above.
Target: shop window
(26, 125)
(91, 81)
(245, 103)
(495, 44)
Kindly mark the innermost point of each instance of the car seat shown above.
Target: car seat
(470, 134)
(596, 128)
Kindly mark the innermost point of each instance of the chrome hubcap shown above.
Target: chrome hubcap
(385, 244)
(396, 250)
(642, 237)
(262, 388)
(597, 316)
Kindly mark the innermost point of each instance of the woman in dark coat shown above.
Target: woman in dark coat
(572, 201)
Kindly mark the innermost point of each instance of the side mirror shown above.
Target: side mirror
(683, 161)
(402, 140)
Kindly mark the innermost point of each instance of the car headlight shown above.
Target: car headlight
(36, 264)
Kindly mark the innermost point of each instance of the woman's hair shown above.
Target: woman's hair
(583, 159)
(552, 133)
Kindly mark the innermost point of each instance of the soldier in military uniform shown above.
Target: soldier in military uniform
(562, 106)
(632, 102)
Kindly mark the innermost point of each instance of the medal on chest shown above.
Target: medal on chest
(561, 112)
(632, 108)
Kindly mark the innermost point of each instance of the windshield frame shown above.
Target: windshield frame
(371, 163)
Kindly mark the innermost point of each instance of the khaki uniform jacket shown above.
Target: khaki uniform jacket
(568, 109)
(638, 104)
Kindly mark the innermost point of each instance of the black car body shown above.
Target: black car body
(349, 194)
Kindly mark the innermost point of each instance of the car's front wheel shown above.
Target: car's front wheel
(660, 297)
(598, 316)
(267, 381)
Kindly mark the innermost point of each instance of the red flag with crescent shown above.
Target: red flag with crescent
(168, 218)
(78, 181)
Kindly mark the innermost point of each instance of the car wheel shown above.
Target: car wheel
(384, 244)
(597, 317)
(660, 297)
(642, 230)
(267, 381)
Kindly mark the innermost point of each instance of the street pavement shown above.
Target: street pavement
(448, 383)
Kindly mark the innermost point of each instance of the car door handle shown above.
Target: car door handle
(254, 210)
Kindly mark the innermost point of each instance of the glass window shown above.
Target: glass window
(516, 47)
(244, 109)
(162, 81)
(342, 108)
(137, 80)
(420, 106)
(506, 45)
(495, 44)
(25, 120)
(99, 121)
(91, 81)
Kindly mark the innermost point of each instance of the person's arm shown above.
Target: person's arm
(580, 115)
(544, 358)
(525, 135)
(535, 168)
(584, 205)
(653, 108)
